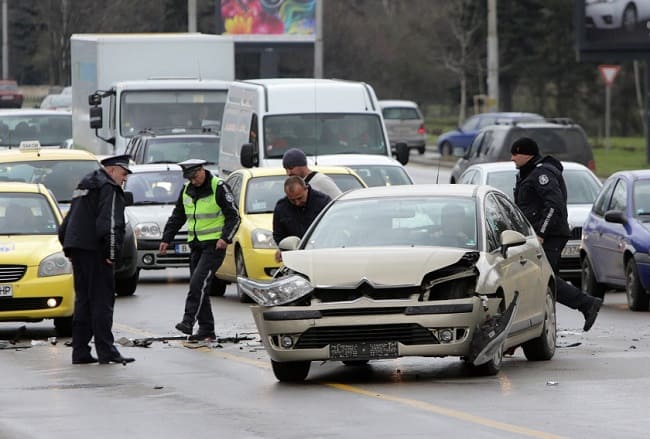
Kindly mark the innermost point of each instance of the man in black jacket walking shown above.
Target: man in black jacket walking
(92, 234)
(540, 193)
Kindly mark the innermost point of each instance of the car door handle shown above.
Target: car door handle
(539, 255)
(523, 261)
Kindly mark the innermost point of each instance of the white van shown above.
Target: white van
(334, 122)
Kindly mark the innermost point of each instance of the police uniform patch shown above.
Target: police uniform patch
(543, 179)
(229, 197)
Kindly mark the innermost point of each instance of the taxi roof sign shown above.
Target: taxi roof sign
(29, 145)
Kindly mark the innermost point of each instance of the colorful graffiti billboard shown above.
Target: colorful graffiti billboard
(242, 17)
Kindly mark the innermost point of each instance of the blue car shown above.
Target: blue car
(457, 141)
(616, 239)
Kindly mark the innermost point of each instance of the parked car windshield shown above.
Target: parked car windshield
(26, 214)
(319, 134)
(164, 111)
(417, 221)
(49, 130)
(162, 187)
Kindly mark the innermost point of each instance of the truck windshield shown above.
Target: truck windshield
(318, 134)
(166, 111)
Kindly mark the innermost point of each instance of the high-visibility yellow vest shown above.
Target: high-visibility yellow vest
(204, 218)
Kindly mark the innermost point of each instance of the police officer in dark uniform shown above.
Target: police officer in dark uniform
(208, 205)
(91, 235)
(540, 193)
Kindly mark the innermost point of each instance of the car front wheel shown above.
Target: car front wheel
(637, 297)
(542, 348)
(588, 282)
(126, 286)
(291, 371)
(446, 149)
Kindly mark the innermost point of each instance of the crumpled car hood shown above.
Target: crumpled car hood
(347, 267)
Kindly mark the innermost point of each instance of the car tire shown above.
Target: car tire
(291, 371)
(446, 149)
(542, 348)
(240, 266)
(218, 287)
(490, 368)
(63, 326)
(588, 283)
(127, 286)
(637, 297)
(421, 149)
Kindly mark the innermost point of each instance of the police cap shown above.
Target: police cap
(191, 166)
(118, 160)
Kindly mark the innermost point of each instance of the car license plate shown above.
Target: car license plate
(6, 291)
(571, 251)
(363, 351)
(182, 248)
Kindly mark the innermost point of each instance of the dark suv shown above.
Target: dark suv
(560, 138)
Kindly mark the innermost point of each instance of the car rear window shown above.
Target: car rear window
(401, 113)
(562, 143)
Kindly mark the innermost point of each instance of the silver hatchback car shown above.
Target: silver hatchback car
(404, 123)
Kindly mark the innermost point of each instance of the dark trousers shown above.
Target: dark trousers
(205, 260)
(567, 294)
(94, 285)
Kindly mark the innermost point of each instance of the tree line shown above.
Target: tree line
(429, 51)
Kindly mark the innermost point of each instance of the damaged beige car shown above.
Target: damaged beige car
(425, 270)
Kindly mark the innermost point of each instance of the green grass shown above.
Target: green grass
(624, 153)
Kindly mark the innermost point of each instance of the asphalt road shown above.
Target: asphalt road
(596, 386)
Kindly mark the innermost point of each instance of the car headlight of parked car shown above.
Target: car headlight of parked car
(278, 292)
(54, 265)
(147, 231)
(262, 238)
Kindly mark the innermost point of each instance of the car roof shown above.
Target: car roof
(154, 167)
(181, 135)
(273, 171)
(418, 190)
(636, 174)
(33, 112)
(506, 166)
(397, 103)
(14, 186)
(16, 155)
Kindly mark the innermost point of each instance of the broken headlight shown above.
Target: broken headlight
(277, 292)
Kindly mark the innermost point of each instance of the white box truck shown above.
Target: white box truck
(126, 83)
(334, 122)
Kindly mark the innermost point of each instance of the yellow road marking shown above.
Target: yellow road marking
(420, 405)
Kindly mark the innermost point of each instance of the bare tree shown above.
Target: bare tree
(458, 48)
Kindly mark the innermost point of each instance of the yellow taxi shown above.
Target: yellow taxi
(256, 190)
(59, 169)
(35, 276)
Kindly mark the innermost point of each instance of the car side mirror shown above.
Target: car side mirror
(248, 156)
(615, 216)
(289, 243)
(509, 239)
(402, 153)
(128, 198)
(96, 118)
